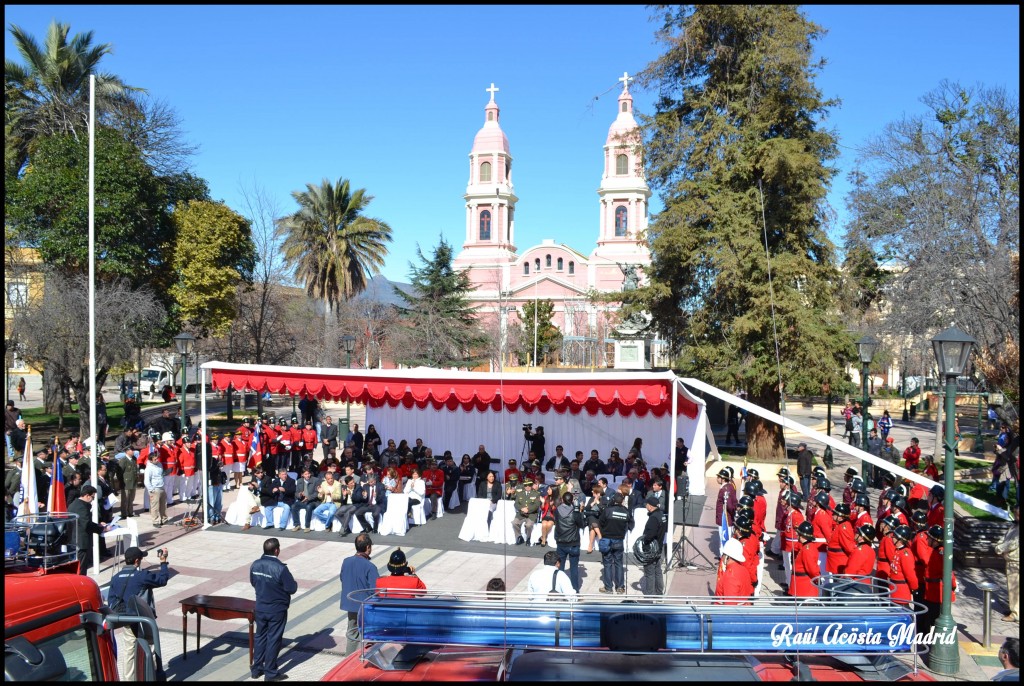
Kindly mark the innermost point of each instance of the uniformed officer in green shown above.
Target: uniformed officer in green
(513, 488)
(527, 505)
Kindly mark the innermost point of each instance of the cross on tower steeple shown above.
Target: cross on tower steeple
(492, 90)
(625, 78)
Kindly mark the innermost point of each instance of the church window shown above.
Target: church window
(572, 267)
(547, 261)
(485, 225)
(526, 268)
(490, 116)
(559, 264)
(485, 172)
(625, 107)
(536, 265)
(620, 221)
(621, 165)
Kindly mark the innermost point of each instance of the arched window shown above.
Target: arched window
(485, 225)
(625, 107)
(547, 261)
(621, 165)
(620, 221)
(526, 268)
(490, 116)
(572, 267)
(559, 264)
(536, 265)
(485, 172)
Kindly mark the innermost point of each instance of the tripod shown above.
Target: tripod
(679, 549)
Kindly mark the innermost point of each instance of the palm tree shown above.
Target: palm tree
(331, 246)
(50, 93)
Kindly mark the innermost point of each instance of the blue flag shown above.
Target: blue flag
(723, 532)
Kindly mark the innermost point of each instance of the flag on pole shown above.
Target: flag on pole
(29, 492)
(255, 454)
(57, 503)
(723, 532)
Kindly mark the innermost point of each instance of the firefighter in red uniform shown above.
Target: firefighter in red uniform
(932, 583)
(936, 506)
(884, 506)
(861, 515)
(823, 525)
(840, 543)
(790, 540)
(786, 484)
(888, 484)
(743, 531)
(886, 546)
(733, 579)
(187, 458)
(245, 430)
(848, 493)
(805, 564)
(755, 489)
(308, 439)
(241, 458)
(433, 480)
(271, 445)
(918, 496)
(862, 559)
(169, 460)
(227, 456)
(902, 577)
(295, 436)
(920, 547)
(898, 509)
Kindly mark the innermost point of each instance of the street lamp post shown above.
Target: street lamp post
(952, 348)
(866, 347)
(350, 344)
(827, 457)
(184, 343)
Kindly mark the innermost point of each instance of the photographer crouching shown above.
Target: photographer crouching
(536, 439)
(131, 585)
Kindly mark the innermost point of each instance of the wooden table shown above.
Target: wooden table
(217, 607)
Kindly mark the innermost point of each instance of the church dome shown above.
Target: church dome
(490, 138)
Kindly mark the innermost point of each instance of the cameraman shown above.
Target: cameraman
(536, 439)
(134, 583)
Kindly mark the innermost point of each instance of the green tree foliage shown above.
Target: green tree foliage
(333, 248)
(49, 94)
(736, 141)
(441, 328)
(547, 334)
(213, 252)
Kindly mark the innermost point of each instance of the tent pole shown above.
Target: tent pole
(672, 472)
(206, 472)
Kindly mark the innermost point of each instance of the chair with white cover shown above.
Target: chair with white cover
(454, 501)
(394, 521)
(468, 492)
(474, 527)
(640, 516)
(419, 512)
(317, 525)
(501, 523)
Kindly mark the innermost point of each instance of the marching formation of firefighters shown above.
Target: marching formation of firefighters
(902, 546)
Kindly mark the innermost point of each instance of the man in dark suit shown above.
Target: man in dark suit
(85, 528)
(371, 500)
(305, 497)
(277, 493)
(329, 438)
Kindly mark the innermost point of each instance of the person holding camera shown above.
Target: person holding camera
(536, 439)
(127, 587)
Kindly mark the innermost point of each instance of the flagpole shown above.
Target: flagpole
(94, 462)
(206, 472)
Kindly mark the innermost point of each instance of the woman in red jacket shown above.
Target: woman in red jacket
(403, 582)
(902, 576)
(862, 559)
(805, 564)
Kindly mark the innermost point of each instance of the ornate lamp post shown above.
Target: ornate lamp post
(184, 342)
(866, 347)
(952, 347)
(350, 344)
(827, 457)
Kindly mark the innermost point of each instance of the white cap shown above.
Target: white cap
(734, 549)
(87, 442)
(168, 436)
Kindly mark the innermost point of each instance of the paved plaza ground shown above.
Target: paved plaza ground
(216, 561)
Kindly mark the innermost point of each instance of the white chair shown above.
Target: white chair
(132, 523)
(394, 521)
(317, 525)
(474, 527)
(468, 492)
(501, 523)
(640, 516)
(419, 512)
(609, 477)
(455, 500)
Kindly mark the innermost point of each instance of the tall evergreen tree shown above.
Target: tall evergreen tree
(442, 330)
(545, 333)
(738, 153)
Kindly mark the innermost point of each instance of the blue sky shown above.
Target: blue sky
(390, 97)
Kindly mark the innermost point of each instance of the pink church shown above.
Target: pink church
(505, 279)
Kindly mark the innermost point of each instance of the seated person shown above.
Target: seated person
(403, 582)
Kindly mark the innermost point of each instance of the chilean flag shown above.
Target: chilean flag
(29, 495)
(57, 503)
(255, 454)
(724, 534)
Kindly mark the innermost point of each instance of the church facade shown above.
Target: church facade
(505, 279)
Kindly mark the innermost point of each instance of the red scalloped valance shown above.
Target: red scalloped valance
(588, 394)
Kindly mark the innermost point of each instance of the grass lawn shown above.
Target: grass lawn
(45, 424)
(979, 490)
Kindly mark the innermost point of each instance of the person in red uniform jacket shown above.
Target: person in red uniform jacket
(786, 484)
(227, 456)
(862, 559)
(790, 540)
(743, 532)
(840, 543)
(849, 476)
(920, 546)
(512, 469)
(932, 595)
(888, 484)
(805, 564)
(245, 430)
(755, 489)
(902, 577)
(886, 547)
(912, 455)
(733, 579)
(295, 436)
(308, 440)
(918, 496)
(241, 458)
(884, 506)
(726, 501)
(936, 506)
(273, 447)
(433, 479)
(823, 525)
(403, 582)
(169, 460)
(861, 511)
(187, 458)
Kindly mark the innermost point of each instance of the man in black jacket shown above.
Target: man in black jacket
(654, 580)
(85, 528)
(568, 522)
(614, 521)
(329, 438)
(277, 493)
(274, 586)
(371, 501)
(305, 497)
